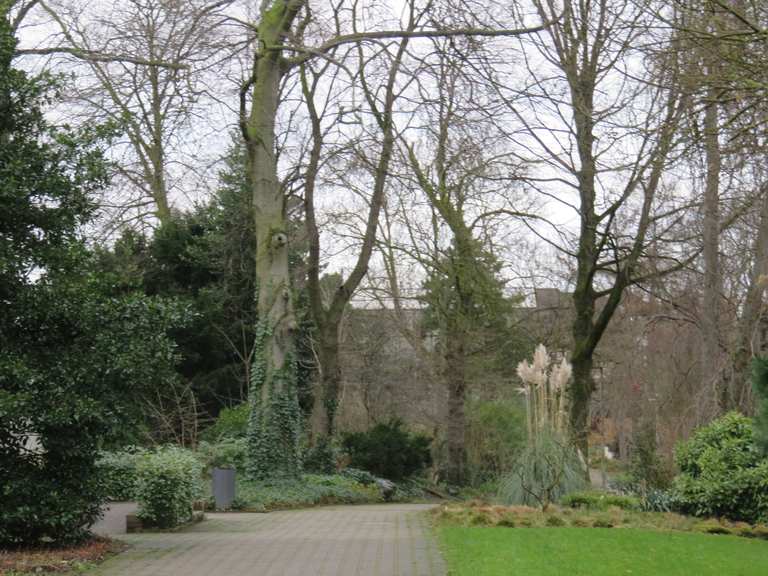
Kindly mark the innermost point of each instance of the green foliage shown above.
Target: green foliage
(309, 490)
(388, 450)
(760, 386)
(465, 292)
(231, 423)
(203, 257)
(599, 501)
(75, 360)
(73, 371)
(274, 427)
(546, 470)
(226, 453)
(657, 500)
(646, 468)
(168, 483)
(465, 284)
(360, 476)
(117, 471)
(722, 472)
(321, 458)
(495, 437)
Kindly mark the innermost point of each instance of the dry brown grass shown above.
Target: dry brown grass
(56, 560)
(483, 514)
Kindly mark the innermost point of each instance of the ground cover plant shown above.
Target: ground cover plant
(483, 551)
(308, 490)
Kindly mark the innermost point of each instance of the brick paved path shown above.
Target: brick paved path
(381, 540)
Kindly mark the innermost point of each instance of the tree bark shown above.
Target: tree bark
(328, 318)
(274, 425)
(711, 367)
(327, 400)
(750, 314)
(455, 378)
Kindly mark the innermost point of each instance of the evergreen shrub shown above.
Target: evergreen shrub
(231, 423)
(118, 474)
(722, 472)
(226, 453)
(169, 482)
(388, 450)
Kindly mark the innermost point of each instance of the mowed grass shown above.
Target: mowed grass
(480, 551)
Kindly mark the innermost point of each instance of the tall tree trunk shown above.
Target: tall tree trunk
(583, 330)
(328, 318)
(750, 314)
(580, 391)
(156, 152)
(327, 396)
(711, 367)
(455, 378)
(275, 421)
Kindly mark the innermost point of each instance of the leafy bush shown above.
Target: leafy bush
(599, 501)
(360, 476)
(388, 450)
(169, 481)
(495, 437)
(226, 453)
(656, 500)
(117, 471)
(722, 472)
(545, 471)
(74, 355)
(321, 458)
(231, 423)
(651, 499)
(646, 468)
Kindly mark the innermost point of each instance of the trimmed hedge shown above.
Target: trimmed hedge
(168, 483)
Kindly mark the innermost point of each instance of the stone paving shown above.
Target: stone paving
(373, 540)
(113, 522)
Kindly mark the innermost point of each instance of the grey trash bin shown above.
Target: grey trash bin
(223, 487)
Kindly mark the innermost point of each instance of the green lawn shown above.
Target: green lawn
(480, 551)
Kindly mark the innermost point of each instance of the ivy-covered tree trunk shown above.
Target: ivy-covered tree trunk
(275, 423)
(330, 378)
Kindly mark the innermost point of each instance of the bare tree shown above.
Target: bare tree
(141, 66)
(599, 119)
(282, 28)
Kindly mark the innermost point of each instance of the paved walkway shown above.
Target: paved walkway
(379, 540)
(113, 522)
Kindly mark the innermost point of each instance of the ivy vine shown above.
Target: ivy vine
(274, 426)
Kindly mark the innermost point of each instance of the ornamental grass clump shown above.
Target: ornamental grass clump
(544, 387)
(549, 467)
